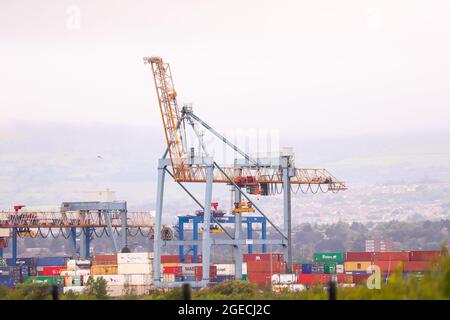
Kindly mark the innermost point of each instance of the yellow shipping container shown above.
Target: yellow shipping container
(170, 264)
(104, 269)
(357, 265)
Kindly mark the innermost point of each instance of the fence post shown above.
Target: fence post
(187, 292)
(332, 290)
(55, 293)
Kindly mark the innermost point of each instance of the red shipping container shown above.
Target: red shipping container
(199, 272)
(263, 257)
(359, 256)
(391, 256)
(313, 279)
(296, 268)
(174, 258)
(344, 278)
(360, 278)
(417, 266)
(105, 259)
(262, 279)
(266, 266)
(51, 271)
(388, 266)
(424, 255)
(176, 270)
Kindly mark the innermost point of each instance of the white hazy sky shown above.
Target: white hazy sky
(321, 67)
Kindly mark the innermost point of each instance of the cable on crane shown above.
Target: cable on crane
(42, 235)
(64, 235)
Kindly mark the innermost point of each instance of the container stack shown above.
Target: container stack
(45, 270)
(261, 267)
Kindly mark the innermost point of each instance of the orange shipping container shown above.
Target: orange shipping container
(103, 269)
(105, 259)
(356, 265)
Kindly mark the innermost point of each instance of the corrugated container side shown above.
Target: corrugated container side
(134, 268)
(417, 266)
(357, 265)
(225, 269)
(360, 278)
(105, 259)
(266, 266)
(391, 256)
(176, 270)
(312, 279)
(51, 261)
(359, 256)
(52, 271)
(429, 255)
(274, 256)
(389, 266)
(113, 279)
(134, 258)
(306, 268)
(104, 269)
(329, 257)
(188, 269)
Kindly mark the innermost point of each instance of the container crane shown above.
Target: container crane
(247, 176)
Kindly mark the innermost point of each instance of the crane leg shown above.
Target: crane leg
(158, 220)
(206, 235)
(124, 229)
(287, 212)
(237, 249)
(107, 215)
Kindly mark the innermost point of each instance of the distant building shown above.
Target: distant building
(378, 245)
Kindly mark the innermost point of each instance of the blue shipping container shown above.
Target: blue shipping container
(189, 278)
(51, 261)
(179, 278)
(306, 268)
(22, 261)
(10, 282)
(221, 278)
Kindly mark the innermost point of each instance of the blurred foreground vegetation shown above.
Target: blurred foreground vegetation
(432, 286)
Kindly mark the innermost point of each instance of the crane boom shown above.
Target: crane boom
(171, 117)
(183, 171)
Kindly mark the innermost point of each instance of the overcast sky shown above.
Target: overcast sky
(322, 67)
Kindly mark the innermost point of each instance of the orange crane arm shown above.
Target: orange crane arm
(167, 98)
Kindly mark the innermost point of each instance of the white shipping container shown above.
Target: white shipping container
(287, 278)
(4, 233)
(225, 269)
(117, 291)
(339, 268)
(168, 277)
(113, 279)
(73, 273)
(135, 268)
(188, 269)
(77, 289)
(134, 257)
(244, 268)
(141, 279)
(78, 264)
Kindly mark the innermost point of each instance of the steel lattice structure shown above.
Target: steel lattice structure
(247, 176)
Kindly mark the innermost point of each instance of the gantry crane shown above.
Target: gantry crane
(246, 176)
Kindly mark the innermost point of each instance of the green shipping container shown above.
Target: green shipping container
(337, 257)
(244, 277)
(59, 281)
(329, 267)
